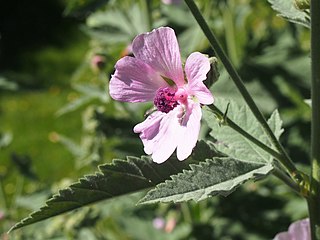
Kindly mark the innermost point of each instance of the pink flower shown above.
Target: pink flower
(156, 74)
(299, 230)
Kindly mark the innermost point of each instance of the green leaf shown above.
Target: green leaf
(117, 26)
(74, 105)
(89, 93)
(220, 175)
(287, 10)
(116, 179)
(80, 8)
(232, 143)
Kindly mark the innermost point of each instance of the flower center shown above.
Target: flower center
(165, 99)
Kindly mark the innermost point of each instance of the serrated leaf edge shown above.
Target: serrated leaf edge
(254, 175)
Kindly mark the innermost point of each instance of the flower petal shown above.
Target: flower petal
(190, 133)
(196, 68)
(160, 50)
(160, 133)
(202, 93)
(283, 236)
(148, 130)
(168, 136)
(134, 81)
(300, 230)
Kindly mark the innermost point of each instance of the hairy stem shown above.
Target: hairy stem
(286, 179)
(285, 160)
(313, 201)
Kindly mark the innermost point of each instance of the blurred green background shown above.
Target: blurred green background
(58, 123)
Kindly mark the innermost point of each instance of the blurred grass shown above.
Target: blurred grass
(30, 117)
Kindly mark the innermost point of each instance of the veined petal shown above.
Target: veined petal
(196, 68)
(168, 136)
(300, 230)
(160, 50)
(160, 133)
(149, 129)
(190, 133)
(202, 93)
(134, 81)
(283, 236)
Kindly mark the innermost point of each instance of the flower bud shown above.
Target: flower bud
(98, 62)
(213, 74)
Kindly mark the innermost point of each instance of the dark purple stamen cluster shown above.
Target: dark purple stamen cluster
(165, 100)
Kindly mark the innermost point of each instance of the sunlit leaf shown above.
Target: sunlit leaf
(116, 26)
(220, 175)
(116, 179)
(232, 143)
(286, 9)
(74, 105)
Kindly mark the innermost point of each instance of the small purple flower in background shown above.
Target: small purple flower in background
(299, 230)
(167, 226)
(158, 223)
(156, 74)
(176, 2)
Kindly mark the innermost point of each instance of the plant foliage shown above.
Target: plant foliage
(235, 145)
(220, 175)
(115, 179)
(287, 10)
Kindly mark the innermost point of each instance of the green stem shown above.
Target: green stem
(313, 201)
(186, 212)
(286, 179)
(242, 89)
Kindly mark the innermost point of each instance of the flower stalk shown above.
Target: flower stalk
(285, 159)
(313, 200)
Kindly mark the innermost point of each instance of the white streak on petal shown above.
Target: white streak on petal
(168, 136)
(190, 131)
(149, 129)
